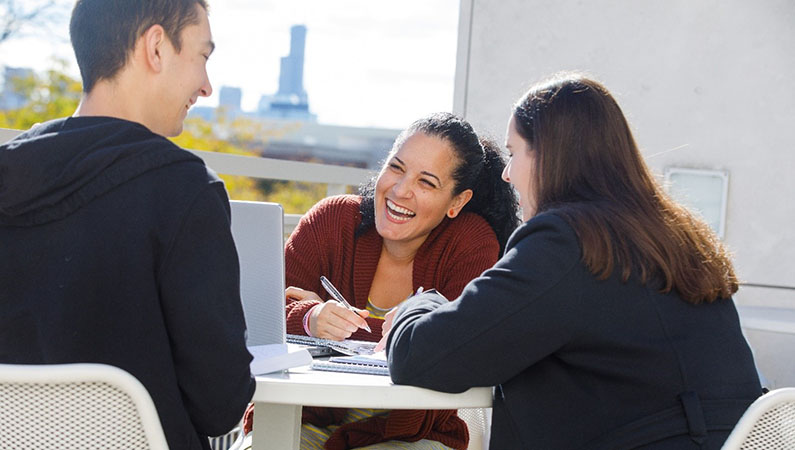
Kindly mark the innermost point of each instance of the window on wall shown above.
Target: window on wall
(702, 191)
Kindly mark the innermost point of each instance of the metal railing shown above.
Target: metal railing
(337, 178)
(7, 134)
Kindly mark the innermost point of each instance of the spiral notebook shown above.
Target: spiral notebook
(371, 365)
(346, 347)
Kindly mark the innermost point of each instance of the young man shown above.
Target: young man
(116, 245)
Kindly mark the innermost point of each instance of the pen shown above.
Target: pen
(338, 297)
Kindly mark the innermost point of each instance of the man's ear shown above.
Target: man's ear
(153, 44)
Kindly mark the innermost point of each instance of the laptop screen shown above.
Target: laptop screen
(258, 230)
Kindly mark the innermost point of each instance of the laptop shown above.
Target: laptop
(258, 231)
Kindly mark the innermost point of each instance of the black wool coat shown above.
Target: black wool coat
(579, 362)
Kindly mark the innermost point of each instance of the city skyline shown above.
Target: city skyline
(369, 63)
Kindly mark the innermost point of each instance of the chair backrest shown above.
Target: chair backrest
(67, 406)
(478, 422)
(257, 228)
(768, 424)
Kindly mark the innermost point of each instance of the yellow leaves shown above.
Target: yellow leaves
(297, 197)
(243, 188)
(50, 96)
(240, 137)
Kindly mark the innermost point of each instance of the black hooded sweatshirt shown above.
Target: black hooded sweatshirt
(115, 248)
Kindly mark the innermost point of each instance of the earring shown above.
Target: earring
(450, 213)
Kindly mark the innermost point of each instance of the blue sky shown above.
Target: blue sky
(368, 62)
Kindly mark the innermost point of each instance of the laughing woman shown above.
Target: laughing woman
(437, 216)
(608, 323)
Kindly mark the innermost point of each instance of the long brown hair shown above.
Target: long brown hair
(591, 172)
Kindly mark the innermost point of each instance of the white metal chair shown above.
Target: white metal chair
(68, 406)
(478, 422)
(768, 424)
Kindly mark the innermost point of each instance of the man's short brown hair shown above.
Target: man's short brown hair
(104, 32)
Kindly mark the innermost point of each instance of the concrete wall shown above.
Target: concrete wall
(705, 84)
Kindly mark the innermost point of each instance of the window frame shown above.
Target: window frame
(723, 175)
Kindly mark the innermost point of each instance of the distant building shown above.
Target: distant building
(291, 76)
(207, 113)
(9, 99)
(291, 100)
(287, 130)
(328, 144)
(229, 98)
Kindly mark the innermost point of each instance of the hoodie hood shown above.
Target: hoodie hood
(55, 168)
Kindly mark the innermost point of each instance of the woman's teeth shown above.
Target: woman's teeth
(398, 212)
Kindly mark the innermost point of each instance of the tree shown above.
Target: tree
(236, 136)
(16, 16)
(52, 95)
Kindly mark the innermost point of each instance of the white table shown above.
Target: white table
(279, 398)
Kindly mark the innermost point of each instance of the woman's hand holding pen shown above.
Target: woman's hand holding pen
(329, 320)
(332, 320)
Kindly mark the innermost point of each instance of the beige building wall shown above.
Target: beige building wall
(707, 84)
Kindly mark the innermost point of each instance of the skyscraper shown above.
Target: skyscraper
(291, 77)
(291, 100)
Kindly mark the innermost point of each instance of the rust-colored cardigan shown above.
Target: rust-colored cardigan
(455, 252)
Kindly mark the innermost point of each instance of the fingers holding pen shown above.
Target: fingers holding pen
(359, 316)
(332, 320)
(336, 295)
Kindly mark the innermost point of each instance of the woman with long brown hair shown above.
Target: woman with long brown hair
(608, 323)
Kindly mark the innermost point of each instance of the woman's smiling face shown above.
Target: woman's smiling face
(414, 191)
